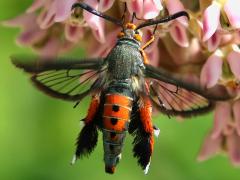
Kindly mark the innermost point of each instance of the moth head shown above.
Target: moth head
(131, 32)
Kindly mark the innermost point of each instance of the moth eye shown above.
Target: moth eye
(139, 32)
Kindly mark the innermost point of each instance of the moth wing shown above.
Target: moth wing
(68, 79)
(173, 96)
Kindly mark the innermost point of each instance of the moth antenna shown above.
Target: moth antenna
(124, 13)
(97, 13)
(163, 20)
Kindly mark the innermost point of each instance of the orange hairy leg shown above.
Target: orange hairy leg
(146, 119)
(88, 136)
(92, 110)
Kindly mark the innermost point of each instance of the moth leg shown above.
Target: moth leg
(146, 119)
(148, 43)
(144, 144)
(93, 109)
(145, 58)
(87, 138)
(144, 55)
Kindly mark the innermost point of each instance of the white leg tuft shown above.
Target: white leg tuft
(156, 132)
(146, 169)
(73, 160)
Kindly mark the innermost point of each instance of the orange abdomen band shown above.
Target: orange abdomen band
(117, 111)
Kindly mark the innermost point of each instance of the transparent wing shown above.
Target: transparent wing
(178, 97)
(174, 100)
(64, 78)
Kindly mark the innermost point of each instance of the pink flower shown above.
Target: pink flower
(60, 11)
(231, 8)
(225, 135)
(45, 42)
(212, 70)
(211, 17)
(146, 9)
(95, 49)
(178, 27)
(30, 31)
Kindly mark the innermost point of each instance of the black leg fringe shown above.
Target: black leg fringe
(87, 140)
(142, 146)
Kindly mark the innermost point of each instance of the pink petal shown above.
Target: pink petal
(151, 8)
(179, 34)
(174, 7)
(231, 8)
(35, 6)
(213, 42)
(236, 113)
(209, 148)
(104, 5)
(73, 33)
(99, 34)
(21, 21)
(66, 47)
(31, 36)
(46, 18)
(101, 50)
(153, 55)
(63, 9)
(135, 6)
(51, 48)
(234, 63)
(221, 117)
(233, 145)
(92, 20)
(210, 20)
(211, 71)
(96, 23)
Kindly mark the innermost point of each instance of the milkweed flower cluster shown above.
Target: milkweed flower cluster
(206, 46)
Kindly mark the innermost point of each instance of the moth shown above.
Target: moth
(124, 87)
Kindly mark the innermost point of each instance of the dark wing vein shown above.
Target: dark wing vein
(68, 79)
(181, 102)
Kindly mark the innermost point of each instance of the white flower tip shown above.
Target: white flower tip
(150, 15)
(59, 18)
(156, 132)
(146, 169)
(206, 37)
(73, 160)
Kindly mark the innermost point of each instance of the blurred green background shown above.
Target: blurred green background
(37, 133)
